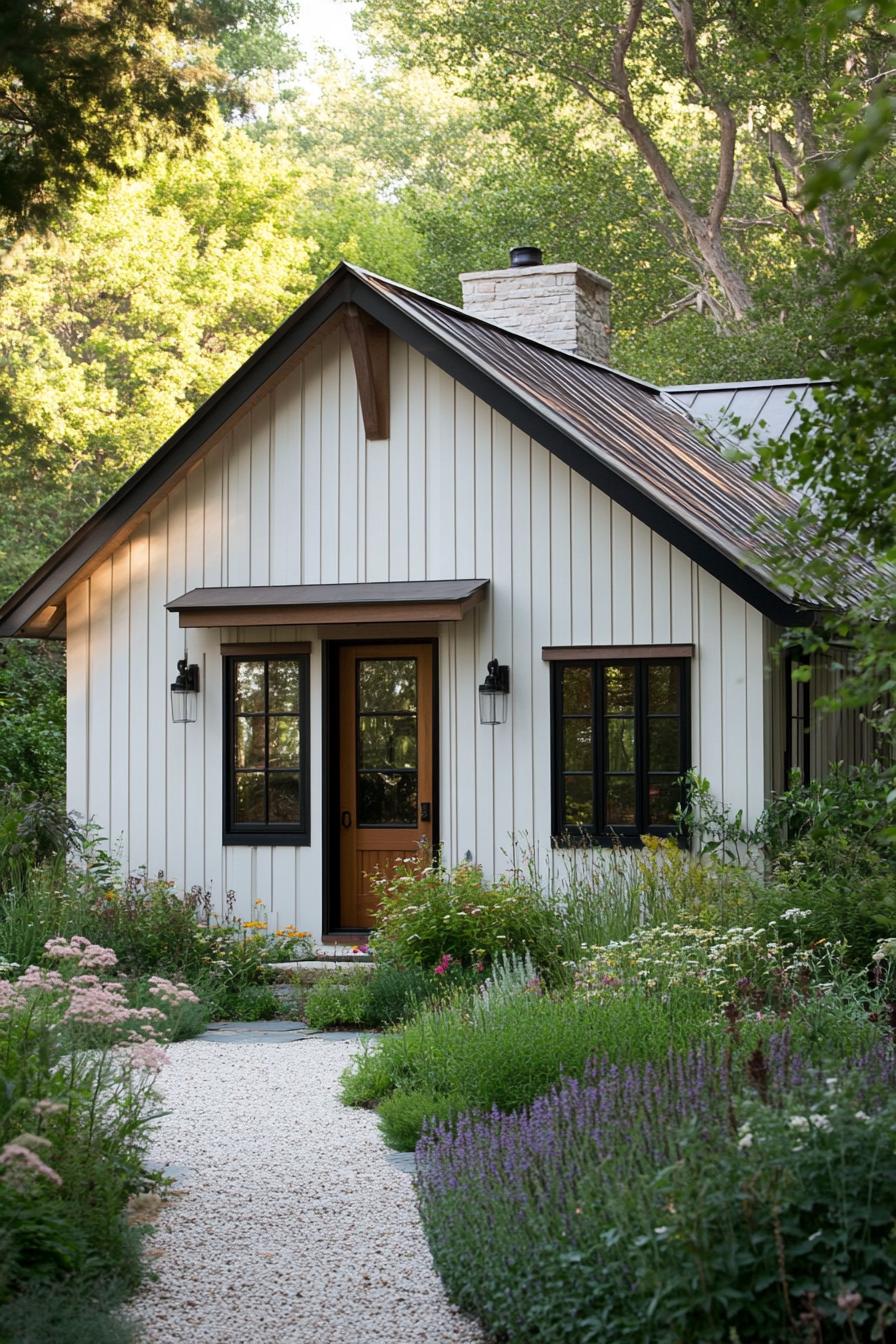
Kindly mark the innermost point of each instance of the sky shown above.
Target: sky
(327, 23)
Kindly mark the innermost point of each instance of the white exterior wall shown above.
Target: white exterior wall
(295, 494)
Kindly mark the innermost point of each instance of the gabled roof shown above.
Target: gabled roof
(627, 437)
(768, 409)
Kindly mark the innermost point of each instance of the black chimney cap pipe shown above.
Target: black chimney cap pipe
(526, 256)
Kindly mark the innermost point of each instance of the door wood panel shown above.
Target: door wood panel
(385, 767)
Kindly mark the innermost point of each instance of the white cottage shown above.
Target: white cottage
(392, 504)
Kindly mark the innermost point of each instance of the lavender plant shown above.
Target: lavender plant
(713, 1196)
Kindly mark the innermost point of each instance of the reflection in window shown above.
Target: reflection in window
(386, 735)
(620, 747)
(267, 734)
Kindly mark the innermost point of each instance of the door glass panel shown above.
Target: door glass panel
(386, 799)
(249, 742)
(249, 687)
(662, 738)
(620, 744)
(249, 796)
(663, 796)
(662, 688)
(578, 808)
(388, 741)
(621, 800)
(577, 744)
(283, 796)
(283, 687)
(387, 685)
(619, 688)
(386, 734)
(283, 741)
(577, 690)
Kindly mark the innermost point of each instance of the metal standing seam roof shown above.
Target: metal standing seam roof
(626, 424)
(769, 409)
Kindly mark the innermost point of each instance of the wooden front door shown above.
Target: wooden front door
(386, 805)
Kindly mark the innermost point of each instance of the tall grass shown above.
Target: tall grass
(468, 1056)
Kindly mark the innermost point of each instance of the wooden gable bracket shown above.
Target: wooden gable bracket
(369, 341)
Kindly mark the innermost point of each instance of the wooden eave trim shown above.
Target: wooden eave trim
(337, 613)
(611, 653)
(287, 649)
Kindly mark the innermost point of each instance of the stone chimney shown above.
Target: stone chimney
(563, 305)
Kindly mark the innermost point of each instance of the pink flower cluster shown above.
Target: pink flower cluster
(20, 1161)
(97, 1004)
(149, 1056)
(87, 955)
(170, 993)
(443, 964)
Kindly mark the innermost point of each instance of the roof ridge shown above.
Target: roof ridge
(453, 308)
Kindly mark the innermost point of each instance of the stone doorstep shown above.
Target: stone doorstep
(310, 972)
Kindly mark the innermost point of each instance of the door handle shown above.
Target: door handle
(346, 819)
(425, 811)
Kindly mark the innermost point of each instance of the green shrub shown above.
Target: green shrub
(503, 1054)
(425, 914)
(341, 1001)
(697, 1198)
(65, 1315)
(32, 718)
(403, 1116)
(76, 1094)
(385, 996)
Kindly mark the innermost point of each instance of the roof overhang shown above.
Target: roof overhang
(330, 603)
(38, 607)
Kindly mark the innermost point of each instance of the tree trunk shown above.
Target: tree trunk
(723, 270)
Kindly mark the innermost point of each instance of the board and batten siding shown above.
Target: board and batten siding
(293, 493)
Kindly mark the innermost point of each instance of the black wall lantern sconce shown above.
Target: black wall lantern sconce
(185, 692)
(493, 694)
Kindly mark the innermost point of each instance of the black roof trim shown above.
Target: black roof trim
(347, 284)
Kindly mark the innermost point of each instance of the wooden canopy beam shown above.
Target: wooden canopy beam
(369, 341)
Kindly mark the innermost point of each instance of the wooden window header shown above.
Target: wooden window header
(283, 650)
(613, 653)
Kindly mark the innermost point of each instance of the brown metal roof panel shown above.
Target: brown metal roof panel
(331, 594)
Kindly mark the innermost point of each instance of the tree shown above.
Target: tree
(732, 75)
(89, 86)
(114, 329)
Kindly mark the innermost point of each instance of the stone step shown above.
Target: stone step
(310, 972)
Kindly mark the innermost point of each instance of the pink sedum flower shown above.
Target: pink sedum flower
(88, 956)
(148, 1056)
(20, 1161)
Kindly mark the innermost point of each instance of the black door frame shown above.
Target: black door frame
(330, 813)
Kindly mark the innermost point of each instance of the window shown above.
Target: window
(620, 747)
(266, 737)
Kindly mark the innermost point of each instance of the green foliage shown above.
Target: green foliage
(426, 914)
(97, 86)
(342, 1001)
(765, 1217)
(156, 289)
(32, 718)
(64, 1316)
(475, 1054)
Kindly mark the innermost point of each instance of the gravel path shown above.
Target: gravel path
(293, 1227)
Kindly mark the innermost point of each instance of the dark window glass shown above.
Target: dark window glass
(620, 746)
(577, 690)
(577, 744)
(578, 799)
(386, 734)
(387, 799)
(268, 733)
(663, 749)
(663, 680)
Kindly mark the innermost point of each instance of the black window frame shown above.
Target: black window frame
(268, 833)
(564, 837)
